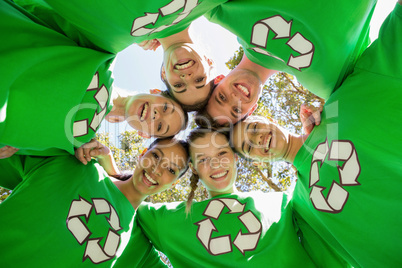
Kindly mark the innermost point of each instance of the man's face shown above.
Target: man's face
(187, 73)
(235, 96)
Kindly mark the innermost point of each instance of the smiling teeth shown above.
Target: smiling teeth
(268, 143)
(150, 179)
(184, 65)
(244, 90)
(144, 111)
(220, 175)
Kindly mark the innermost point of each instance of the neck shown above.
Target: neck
(129, 191)
(262, 72)
(294, 145)
(181, 37)
(228, 191)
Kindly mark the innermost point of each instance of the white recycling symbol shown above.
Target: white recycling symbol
(138, 28)
(282, 29)
(80, 127)
(222, 244)
(94, 251)
(340, 150)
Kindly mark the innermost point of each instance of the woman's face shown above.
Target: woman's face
(260, 140)
(160, 167)
(154, 115)
(187, 73)
(214, 162)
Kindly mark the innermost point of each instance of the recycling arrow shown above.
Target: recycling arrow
(222, 244)
(282, 29)
(277, 24)
(93, 250)
(350, 170)
(138, 28)
(340, 150)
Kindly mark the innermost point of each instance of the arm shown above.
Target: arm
(101, 152)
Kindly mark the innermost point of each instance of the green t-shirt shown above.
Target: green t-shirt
(114, 25)
(317, 41)
(233, 230)
(65, 214)
(45, 76)
(349, 168)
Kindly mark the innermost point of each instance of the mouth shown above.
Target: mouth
(220, 175)
(147, 179)
(144, 110)
(243, 89)
(267, 142)
(184, 64)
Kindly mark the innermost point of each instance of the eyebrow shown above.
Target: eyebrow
(167, 129)
(172, 108)
(184, 90)
(163, 155)
(200, 86)
(242, 146)
(218, 101)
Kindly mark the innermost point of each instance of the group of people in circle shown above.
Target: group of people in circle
(55, 214)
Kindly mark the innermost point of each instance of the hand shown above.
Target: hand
(150, 44)
(91, 149)
(7, 151)
(310, 116)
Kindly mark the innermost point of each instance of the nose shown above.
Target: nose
(157, 169)
(187, 75)
(156, 115)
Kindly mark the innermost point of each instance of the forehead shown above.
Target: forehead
(209, 142)
(173, 152)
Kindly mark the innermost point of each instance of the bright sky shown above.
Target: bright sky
(137, 71)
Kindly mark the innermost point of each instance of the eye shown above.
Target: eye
(172, 171)
(237, 110)
(202, 160)
(222, 97)
(155, 155)
(199, 80)
(178, 85)
(255, 128)
(165, 107)
(159, 127)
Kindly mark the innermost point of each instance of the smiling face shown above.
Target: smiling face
(187, 73)
(234, 97)
(160, 167)
(155, 115)
(260, 140)
(214, 162)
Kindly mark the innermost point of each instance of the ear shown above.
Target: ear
(253, 109)
(163, 73)
(192, 168)
(144, 135)
(114, 117)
